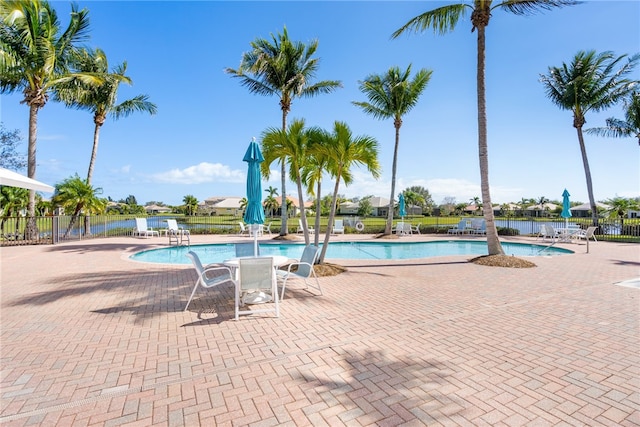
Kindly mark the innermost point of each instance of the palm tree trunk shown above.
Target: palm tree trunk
(303, 215)
(493, 243)
(587, 173)
(387, 228)
(31, 229)
(94, 152)
(316, 235)
(283, 172)
(332, 214)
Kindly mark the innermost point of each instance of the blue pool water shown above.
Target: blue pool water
(347, 250)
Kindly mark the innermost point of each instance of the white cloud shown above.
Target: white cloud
(201, 173)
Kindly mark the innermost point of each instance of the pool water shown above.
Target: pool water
(347, 250)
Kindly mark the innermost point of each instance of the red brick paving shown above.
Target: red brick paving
(91, 338)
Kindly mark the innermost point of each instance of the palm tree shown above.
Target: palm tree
(619, 208)
(270, 202)
(190, 204)
(313, 171)
(443, 20)
(101, 100)
(393, 95)
(591, 82)
(34, 58)
(288, 147)
(75, 195)
(616, 128)
(345, 151)
(284, 68)
(12, 201)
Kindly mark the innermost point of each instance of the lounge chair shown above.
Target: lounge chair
(303, 269)
(460, 229)
(301, 229)
(548, 232)
(586, 234)
(478, 227)
(256, 285)
(177, 234)
(143, 230)
(338, 227)
(243, 229)
(209, 276)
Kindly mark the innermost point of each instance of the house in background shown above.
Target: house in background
(348, 208)
(220, 205)
(380, 206)
(155, 209)
(541, 210)
(584, 210)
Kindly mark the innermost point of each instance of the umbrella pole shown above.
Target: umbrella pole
(255, 238)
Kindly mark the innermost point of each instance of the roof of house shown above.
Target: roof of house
(587, 207)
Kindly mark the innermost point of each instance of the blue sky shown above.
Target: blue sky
(177, 52)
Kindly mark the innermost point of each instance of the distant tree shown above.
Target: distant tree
(130, 200)
(243, 204)
(190, 204)
(591, 82)
(620, 208)
(365, 208)
(392, 96)
(75, 195)
(413, 199)
(13, 200)
(9, 157)
(628, 128)
(427, 201)
(284, 68)
(448, 205)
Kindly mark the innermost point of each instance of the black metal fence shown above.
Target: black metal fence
(55, 229)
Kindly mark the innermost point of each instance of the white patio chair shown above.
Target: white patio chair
(460, 229)
(301, 229)
(243, 229)
(256, 284)
(587, 234)
(303, 269)
(209, 276)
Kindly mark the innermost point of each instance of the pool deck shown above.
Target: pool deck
(89, 337)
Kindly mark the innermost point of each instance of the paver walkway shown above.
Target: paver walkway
(91, 338)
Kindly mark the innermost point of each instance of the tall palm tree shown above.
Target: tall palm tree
(101, 100)
(34, 58)
(616, 128)
(443, 20)
(591, 82)
(288, 147)
(393, 95)
(76, 195)
(345, 151)
(284, 68)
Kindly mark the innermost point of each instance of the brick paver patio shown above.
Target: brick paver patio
(91, 338)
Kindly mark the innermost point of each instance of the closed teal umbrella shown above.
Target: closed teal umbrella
(566, 208)
(254, 213)
(401, 206)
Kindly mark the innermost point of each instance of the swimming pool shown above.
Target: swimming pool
(347, 250)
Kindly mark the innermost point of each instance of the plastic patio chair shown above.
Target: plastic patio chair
(208, 277)
(304, 269)
(256, 285)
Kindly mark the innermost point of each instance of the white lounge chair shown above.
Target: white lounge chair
(548, 232)
(460, 229)
(338, 227)
(209, 276)
(587, 234)
(243, 229)
(143, 230)
(303, 269)
(177, 234)
(257, 284)
(301, 229)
